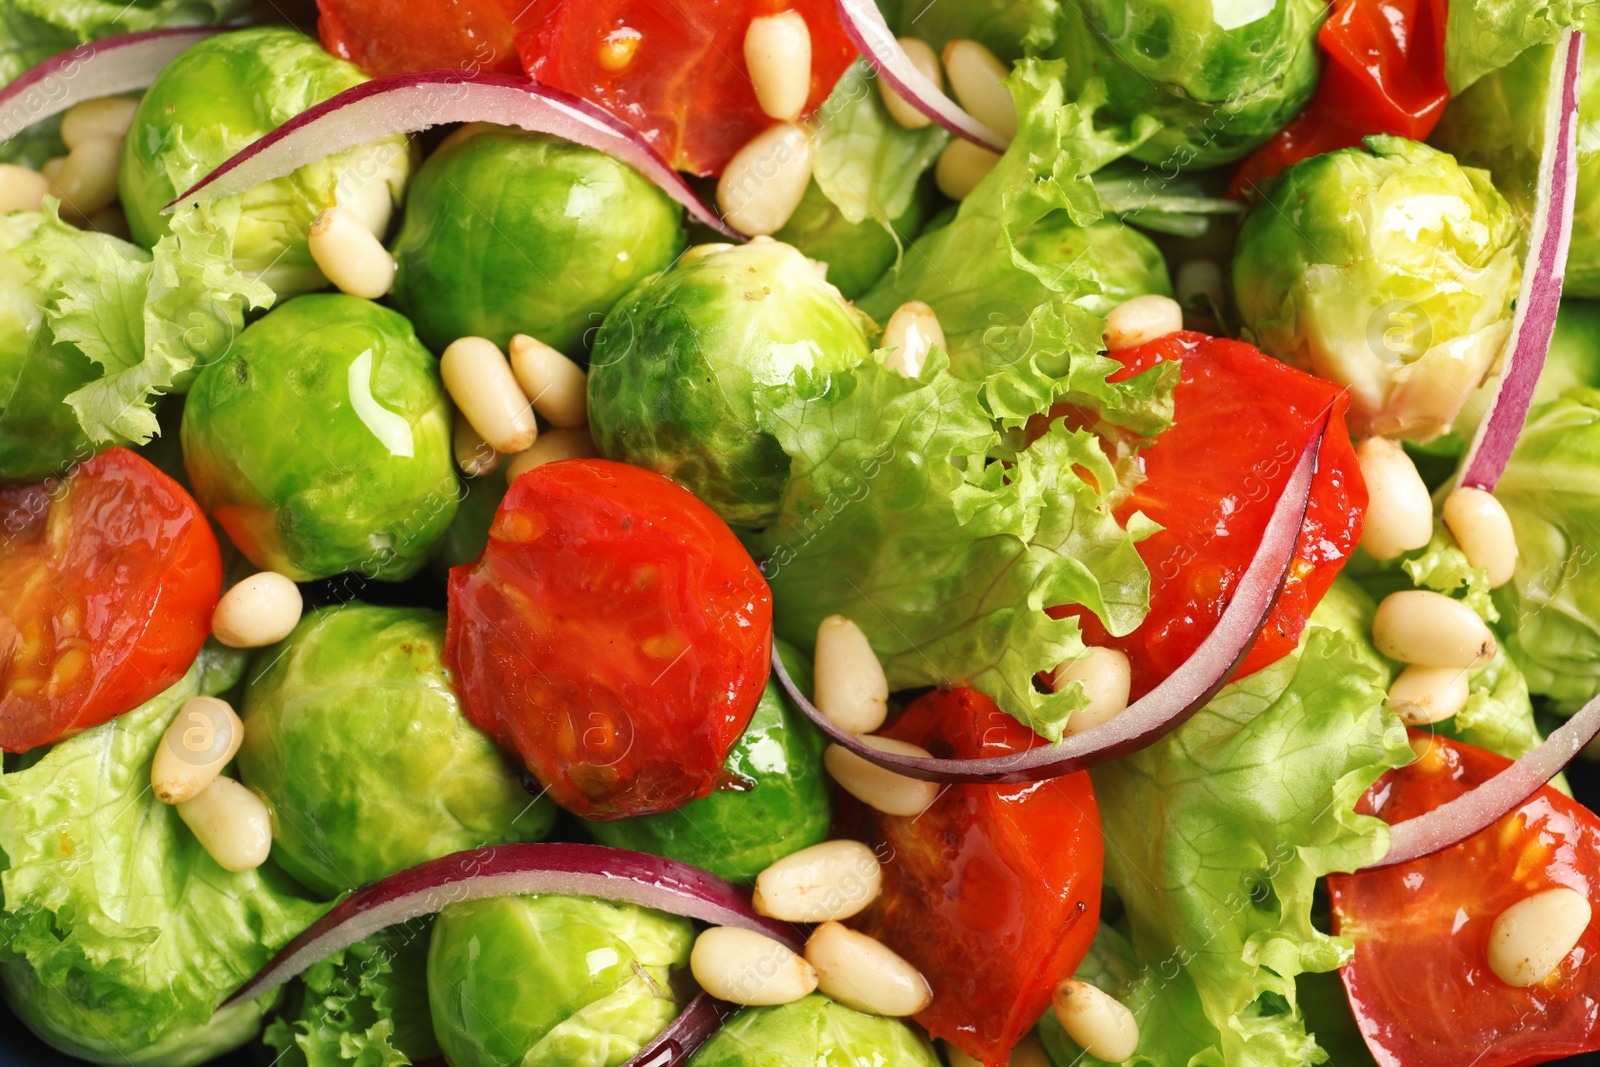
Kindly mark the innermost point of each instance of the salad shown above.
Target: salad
(742, 533)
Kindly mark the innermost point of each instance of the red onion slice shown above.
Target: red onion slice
(105, 67)
(1539, 297)
(1456, 820)
(1182, 693)
(504, 870)
(410, 103)
(673, 1046)
(867, 30)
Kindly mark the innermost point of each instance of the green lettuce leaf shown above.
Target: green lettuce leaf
(1182, 204)
(1217, 834)
(126, 924)
(893, 517)
(1484, 35)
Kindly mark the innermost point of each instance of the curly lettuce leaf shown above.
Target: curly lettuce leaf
(88, 20)
(894, 517)
(111, 902)
(1442, 567)
(1217, 834)
(1482, 36)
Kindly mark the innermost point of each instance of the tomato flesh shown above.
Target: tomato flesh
(108, 582)
(393, 36)
(615, 634)
(993, 893)
(1419, 983)
(1211, 480)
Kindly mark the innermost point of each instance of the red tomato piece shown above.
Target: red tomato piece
(108, 581)
(1419, 982)
(392, 36)
(1384, 74)
(615, 634)
(1212, 479)
(673, 71)
(993, 893)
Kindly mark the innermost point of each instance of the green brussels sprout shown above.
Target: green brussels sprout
(1220, 78)
(552, 981)
(105, 1034)
(1498, 124)
(857, 253)
(1388, 269)
(39, 434)
(355, 738)
(508, 232)
(738, 834)
(321, 441)
(678, 367)
(468, 534)
(1574, 357)
(814, 1030)
(218, 97)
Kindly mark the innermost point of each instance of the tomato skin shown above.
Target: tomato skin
(392, 36)
(1213, 494)
(1419, 982)
(110, 578)
(614, 633)
(993, 892)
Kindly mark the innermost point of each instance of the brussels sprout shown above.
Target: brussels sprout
(814, 1030)
(1498, 124)
(218, 97)
(857, 253)
(1574, 357)
(1390, 270)
(738, 833)
(468, 533)
(106, 1034)
(321, 442)
(679, 366)
(509, 232)
(1221, 78)
(39, 434)
(355, 737)
(552, 981)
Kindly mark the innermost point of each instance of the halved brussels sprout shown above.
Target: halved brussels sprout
(1388, 269)
(678, 369)
(218, 97)
(552, 981)
(321, 442)
(509, 232)
(814, 1030)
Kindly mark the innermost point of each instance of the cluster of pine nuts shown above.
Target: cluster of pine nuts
(499, 402)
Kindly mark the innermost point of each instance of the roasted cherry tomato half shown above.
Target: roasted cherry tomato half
(993, 892)
(1211, 480)
(1420, 982)
(614, 633)
(107, 585)
(391, 36)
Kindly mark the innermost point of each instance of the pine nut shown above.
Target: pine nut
(1529, 939)
(552, 445)
(231, 823)
(926, 60)
(259, 611)
(480, 381)
(21, 189)
(51, 168)
(833, 880)
(107, 118)
(913, 329)
(1423, 695)
(1431, 629)
(349, 255)
(744, 967)
(1100, 1024)
(88, 179)
(878, 787)
(1199, 277)
(777, 50)
(1141, 320)
(558, 387)
(1028, 1052)
(199, 742)
(1482, 528)
(977, 78)
(1399, 511)
(961, 167)
(851, 687)
(863, 973)
(475, 456)
(1106, 677)
(765, 180)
